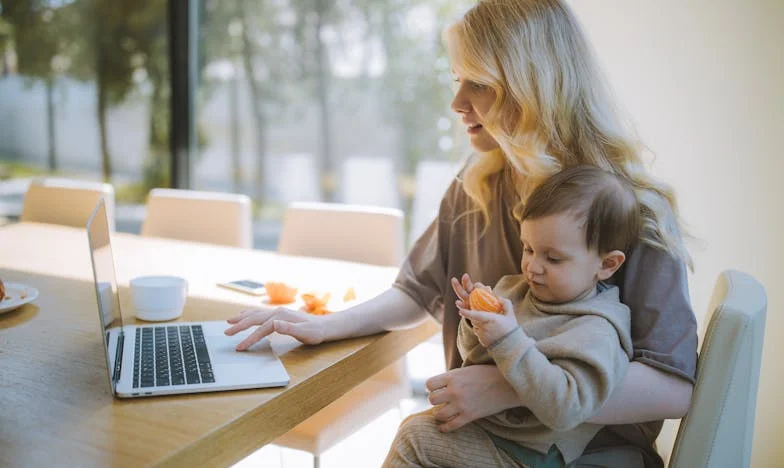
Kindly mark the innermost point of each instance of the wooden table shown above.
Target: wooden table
(55, 402)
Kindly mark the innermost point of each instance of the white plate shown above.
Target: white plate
(17, 295)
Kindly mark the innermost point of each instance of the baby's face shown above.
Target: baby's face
(556, 261)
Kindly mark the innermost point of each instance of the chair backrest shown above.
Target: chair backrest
(432, 179)
(355, 233)
(296, 178)
(719, 427)
(190, 215)
(66, 202)
(369, 181)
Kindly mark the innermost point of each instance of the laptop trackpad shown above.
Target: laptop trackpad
(224, 352)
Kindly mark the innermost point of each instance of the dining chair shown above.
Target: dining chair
(364, 234)
(68, 202)
(358, 233)
(718, 430)
(432, 178)
(191, 215)
(369, 181)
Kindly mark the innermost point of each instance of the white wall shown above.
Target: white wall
(702, 80)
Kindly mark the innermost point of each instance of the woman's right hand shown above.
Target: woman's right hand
(469, 393)
(304, 327)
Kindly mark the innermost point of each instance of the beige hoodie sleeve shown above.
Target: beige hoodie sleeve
(564, 379)
(471, 350)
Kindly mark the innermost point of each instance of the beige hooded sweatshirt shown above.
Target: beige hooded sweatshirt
(564, 360)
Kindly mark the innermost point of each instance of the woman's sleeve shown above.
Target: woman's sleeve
(423, 274)
(654, 285)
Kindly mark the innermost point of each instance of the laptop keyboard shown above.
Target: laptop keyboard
(171, 355)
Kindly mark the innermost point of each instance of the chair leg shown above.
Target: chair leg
(316, 461)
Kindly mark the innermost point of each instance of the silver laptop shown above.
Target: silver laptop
(172, 357)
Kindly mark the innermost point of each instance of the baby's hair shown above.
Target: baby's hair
(605, 204)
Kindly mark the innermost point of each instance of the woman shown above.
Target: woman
(533, 102)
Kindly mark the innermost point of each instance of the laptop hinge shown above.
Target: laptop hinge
(118, 354)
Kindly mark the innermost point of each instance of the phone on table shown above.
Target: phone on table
(246, 286)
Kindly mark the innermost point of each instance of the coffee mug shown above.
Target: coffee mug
(157, 298)
(106, 295)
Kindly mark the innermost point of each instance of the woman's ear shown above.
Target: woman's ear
(611, 261)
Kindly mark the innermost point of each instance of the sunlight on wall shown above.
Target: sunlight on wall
(701, 80)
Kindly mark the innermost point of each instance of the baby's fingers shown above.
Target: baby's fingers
(459, 290)
(468, 285)
(508, 309)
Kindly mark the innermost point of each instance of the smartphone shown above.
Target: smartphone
(251, 287)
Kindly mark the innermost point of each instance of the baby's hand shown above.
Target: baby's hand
(491, 326)
(463, 288)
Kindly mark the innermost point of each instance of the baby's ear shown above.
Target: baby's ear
(611, 261)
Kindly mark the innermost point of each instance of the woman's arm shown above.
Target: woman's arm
(474, 392)
(391, 310)
(645, 394)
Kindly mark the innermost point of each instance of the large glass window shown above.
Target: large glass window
(330, 100)
(84, 93)
(322, 100)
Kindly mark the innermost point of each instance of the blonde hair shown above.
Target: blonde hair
(552, 109)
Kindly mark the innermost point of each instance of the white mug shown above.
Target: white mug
(157, 298)
(106, 296)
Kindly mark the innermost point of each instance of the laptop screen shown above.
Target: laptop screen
(106, 289)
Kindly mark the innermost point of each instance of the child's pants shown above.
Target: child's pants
(419, 443)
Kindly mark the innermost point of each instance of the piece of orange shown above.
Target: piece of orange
(314, 304)
(280, 293)
(483, 299)
(350, 295)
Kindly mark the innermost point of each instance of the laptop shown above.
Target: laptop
(173, 357)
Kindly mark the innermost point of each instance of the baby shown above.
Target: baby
(561, 338)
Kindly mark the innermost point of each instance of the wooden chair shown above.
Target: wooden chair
(719, 427)
(355, 233)
(66, 202)
(208, 217)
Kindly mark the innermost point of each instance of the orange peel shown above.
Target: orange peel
(280, 293)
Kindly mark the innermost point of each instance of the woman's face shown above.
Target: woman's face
(472, 102)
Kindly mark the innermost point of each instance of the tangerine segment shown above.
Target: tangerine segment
(350, 295)
(314, 304)
(280, 293)
(484, 300)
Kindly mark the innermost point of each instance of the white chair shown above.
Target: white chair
(719, 427)
(356, 233)
(432, 179)
(369, 181)
(65, 201)
(297, 178)
(190, 215)
(362, 234)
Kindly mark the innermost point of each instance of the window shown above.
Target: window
(321, 101)
(294, 99)
(84, 93)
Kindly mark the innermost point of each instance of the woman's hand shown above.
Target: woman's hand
(295, 323)
(469, 393)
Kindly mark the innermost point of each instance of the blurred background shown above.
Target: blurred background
(281, 100)
(344, 100)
